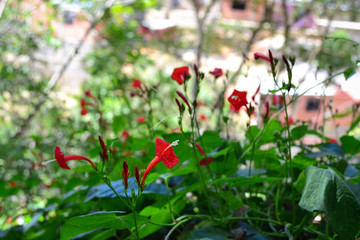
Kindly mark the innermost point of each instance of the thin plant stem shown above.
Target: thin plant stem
(133, 205)
(289, 158)
(175, 227)
(168, 197)
(277, 198)
(199, 171)
(208, 168)
(130, 206)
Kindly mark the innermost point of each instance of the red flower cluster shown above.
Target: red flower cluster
(84, 104)
(180, 74)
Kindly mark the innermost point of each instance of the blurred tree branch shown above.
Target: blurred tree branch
(57, 75)
(2, 6)
(200, 21)
(266, 18)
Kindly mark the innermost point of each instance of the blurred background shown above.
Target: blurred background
(67, 68)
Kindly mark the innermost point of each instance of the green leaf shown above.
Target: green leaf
(298, 132)
(354, 123)
(119, 123)
(350, 144)
(160, 215)
(301, 161)
(242, 181)
(108, 220)
(267, 135)
(325, 191)
(349, 72)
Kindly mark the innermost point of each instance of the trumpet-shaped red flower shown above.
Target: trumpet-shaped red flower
(125, 174)
(165, 153)
(238, 99)
(180, 74)
(136, 83)
(262, 56)
(217, 72)
(61, 159)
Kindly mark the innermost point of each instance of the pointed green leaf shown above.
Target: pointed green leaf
(108, 220)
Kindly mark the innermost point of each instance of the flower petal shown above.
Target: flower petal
(166, 153)
(59, 156)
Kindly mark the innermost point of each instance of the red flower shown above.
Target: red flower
(13, 184)
(88, 93)
(201, 150)
(180, 74)
(262, 56)
(217, 72)
(291, 121)
(61, 159)
(205, 161)
(125, 134)
(332, 140)
(165, 153)
(203, 117)
(125, 174)
(141, 119)
(83, 103)
(104, 155)
(238, 99)
(136, 83)
(84, 111)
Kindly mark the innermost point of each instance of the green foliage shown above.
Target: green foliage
(325, 191)
(252, 178)
(338, 51)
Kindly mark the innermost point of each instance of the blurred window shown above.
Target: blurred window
(313, 105)
(239, 4)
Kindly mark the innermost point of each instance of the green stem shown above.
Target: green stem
(130, 206)
(208, 168)
(168, 197)
(289, 157)
(277, 198)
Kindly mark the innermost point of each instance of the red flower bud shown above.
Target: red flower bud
(125, 174)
